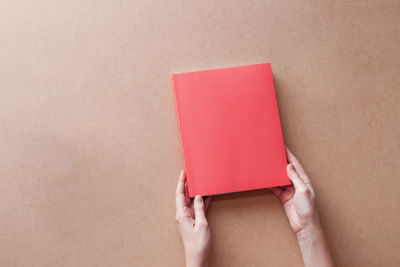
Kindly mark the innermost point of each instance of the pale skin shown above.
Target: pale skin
(298, 202)
(193, 225)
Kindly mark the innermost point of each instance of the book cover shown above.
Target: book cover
(230, 130)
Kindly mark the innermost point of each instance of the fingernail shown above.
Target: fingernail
(199, 198)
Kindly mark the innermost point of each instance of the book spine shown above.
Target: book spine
(185, 158)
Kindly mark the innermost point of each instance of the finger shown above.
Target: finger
(200, 217)
(292, 159)
(284, 193)
(294, 177)
(297, 165)
(276, 190)
(180, 195)
(187, 198)
(287, 193)
(181, 183)
(207, 203)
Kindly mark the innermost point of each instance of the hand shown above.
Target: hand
(298, 198)
(299, 204)
(192, 224)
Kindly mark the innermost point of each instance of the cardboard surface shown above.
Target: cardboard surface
(89, 143)
(230, 130)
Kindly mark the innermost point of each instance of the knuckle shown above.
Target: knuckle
(202, 224)
(312, 196)
(178, 219)
(302, 190)
(199, 209)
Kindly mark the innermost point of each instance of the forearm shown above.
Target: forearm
(314, 247)
(194, 262)
(196, 259)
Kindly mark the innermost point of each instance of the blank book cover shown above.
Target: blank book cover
(230, 129)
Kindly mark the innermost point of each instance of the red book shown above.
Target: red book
(230, 130)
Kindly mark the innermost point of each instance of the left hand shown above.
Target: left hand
(192, 224)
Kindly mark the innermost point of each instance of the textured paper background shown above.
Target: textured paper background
(89, 145)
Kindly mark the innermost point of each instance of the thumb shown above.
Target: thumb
(200, 217)
(294, 177)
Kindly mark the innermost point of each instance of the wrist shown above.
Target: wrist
(192, 262)
(313, 246)
(196, 260)
(311, 231)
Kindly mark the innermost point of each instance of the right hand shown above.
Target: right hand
(299, 205)
(298, 198)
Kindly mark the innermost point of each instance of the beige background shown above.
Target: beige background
(89, 144)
